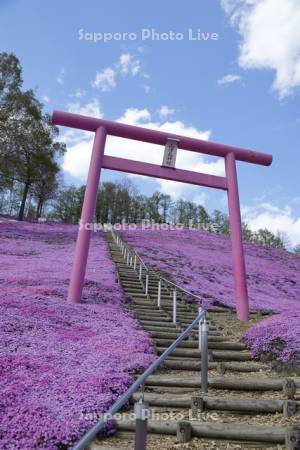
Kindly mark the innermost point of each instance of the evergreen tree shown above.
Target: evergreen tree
(27, 137)
(267, 238)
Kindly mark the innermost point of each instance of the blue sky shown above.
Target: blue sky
(240, 89)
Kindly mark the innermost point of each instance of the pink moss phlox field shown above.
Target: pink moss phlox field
(278, 337)
(59, 361)
(201, 262)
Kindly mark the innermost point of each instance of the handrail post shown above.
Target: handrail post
(199, 330)
(158, 293)
(134, 262)
(174, 306)
(204, 355)
(147, 283)
(141, 412)
(140, 272)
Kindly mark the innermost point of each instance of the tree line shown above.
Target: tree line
(121, 202)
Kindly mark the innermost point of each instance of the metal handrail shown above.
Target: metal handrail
(155, 273)
(179, 288)
(129, 249)
(91, 434)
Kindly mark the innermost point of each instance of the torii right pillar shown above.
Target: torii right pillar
(236, 232)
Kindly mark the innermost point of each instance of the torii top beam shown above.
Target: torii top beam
(159, 137)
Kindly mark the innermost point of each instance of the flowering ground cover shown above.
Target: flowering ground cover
(59, 363)
(201, 262)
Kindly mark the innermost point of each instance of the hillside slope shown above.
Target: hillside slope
(61, 365)
(201, 262)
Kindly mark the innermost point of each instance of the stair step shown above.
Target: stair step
(224, 355)
(194, 344)
(152, 326)
(144, 308)
(173, 336)
(185, 322)
(136, 294)
(158, 324)
(184, 317)
(229, 431)
(166, 323)
(239, 384)
(136, 290)
(154, 306)
(153, 318)
(140, 302)
(128, 274)
(184, 364)
(168, 303)
(150, 313)
(214, 403)
(180, 305)
(133, 282)
(146, 311)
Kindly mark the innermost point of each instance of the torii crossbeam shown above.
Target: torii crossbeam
(99, 161)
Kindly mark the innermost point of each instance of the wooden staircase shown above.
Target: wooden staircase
(246, 407)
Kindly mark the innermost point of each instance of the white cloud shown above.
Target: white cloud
(266, 215)
(129, 64)
(91, 108)
(77, 159)
(79, 145)
(105, 80)
(78, 93)
(164, 111)
(60, 77)
(270, 33)
(133, 116)
(182, 191)
(228, 79)
(46, 99)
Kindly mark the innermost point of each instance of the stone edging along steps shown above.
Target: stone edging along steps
(249, 405)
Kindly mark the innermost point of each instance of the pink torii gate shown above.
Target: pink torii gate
(99, 161)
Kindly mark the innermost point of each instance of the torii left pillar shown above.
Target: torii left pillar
(87, 215)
